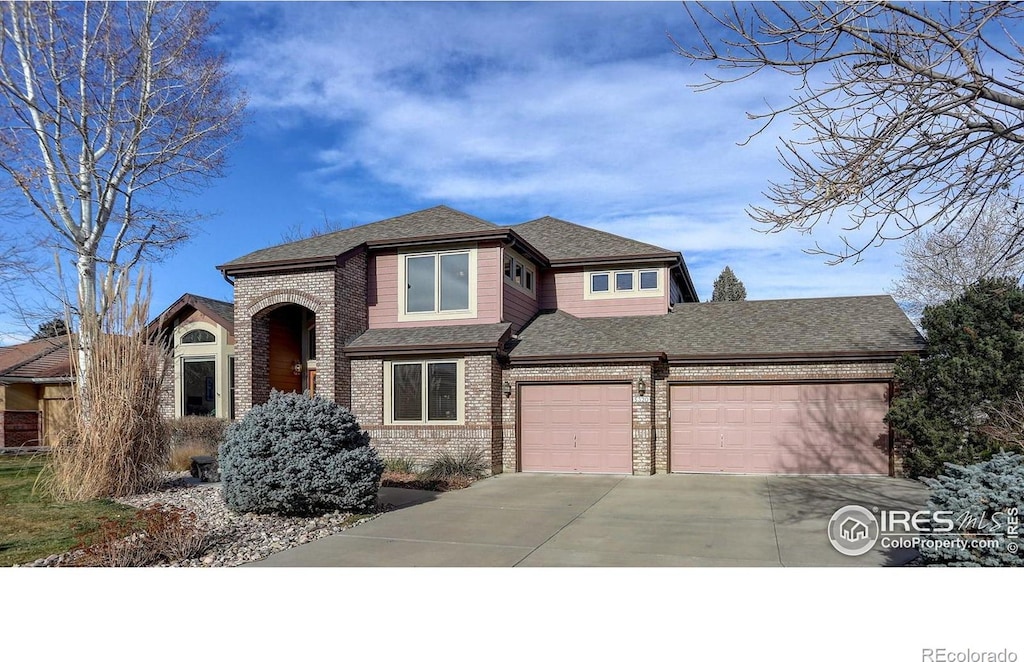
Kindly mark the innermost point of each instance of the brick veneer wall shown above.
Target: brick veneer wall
(422, 443)
(350, 321)
(336, 295)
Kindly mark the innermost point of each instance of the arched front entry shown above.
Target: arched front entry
(289, 363)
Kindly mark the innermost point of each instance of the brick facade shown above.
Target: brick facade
(337, 296)
(480, 429)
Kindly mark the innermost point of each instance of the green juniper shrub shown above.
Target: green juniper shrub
(979, 497)
(974, 362)
(298, 455)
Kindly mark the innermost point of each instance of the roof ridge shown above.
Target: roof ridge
(548, 217)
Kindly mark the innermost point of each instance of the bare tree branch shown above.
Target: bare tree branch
(108, 111)
(905, 113)
(940, 264)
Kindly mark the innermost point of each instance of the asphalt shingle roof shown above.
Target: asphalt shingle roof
(434, 221)
(560, 241)
(224, 309)
(37, 359)
(426, 336)
(783, 327)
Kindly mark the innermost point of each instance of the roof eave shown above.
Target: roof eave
(179, 305)
(37, 380)
(611, 357)
(615, 260)
(792, 357)
(273, 266)
(405, 350)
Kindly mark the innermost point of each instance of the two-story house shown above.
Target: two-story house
(555, 347)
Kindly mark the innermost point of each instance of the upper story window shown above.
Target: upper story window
(623, 283)
(438, 284)
(197, 336)
(520, 273)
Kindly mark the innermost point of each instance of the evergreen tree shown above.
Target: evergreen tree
(55, 328)
(974, 364)
(728, 287)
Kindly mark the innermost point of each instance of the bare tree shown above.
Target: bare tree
(905, 112)
(941, 263)
(109, 111)
(298, 231)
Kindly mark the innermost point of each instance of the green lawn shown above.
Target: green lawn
(31, 524)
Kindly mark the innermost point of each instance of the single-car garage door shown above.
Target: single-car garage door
(585, 428)
(780, 428)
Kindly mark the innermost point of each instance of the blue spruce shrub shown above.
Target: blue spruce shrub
(987, 491)
(298, 455)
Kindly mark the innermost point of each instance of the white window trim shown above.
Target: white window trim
(460, 390)
(636, 293)
(219, 351)
(469, 313)
(179, 382)
(527, 268)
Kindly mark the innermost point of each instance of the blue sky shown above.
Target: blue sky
(579, 110)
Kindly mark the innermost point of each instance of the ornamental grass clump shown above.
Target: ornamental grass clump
(298, 455)
(114, 442)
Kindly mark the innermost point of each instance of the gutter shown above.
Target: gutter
(621, 357)
(405, 350)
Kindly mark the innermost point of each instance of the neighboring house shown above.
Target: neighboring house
(35, 392)
(550, 346)
(200, 332)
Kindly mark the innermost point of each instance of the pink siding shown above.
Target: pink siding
(563, 289)
(382, 290)
(519, 306)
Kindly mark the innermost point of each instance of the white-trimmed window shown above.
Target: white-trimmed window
(198, 336)
(437, 285)
(422, 392)
(520, 274)
(615, 283)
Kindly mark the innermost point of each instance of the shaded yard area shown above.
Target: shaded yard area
(32, 525)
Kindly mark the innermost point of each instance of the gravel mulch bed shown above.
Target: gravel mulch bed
(233, 538)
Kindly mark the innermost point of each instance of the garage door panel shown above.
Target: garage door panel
(781, 428)
(584, 428)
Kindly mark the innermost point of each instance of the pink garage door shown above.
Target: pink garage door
(584, 428)
(780, 428)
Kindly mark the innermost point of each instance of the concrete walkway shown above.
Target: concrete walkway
(630, 521)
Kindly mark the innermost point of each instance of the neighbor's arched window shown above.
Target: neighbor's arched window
(199, 335)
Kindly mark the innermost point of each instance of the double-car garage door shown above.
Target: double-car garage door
(834, 428)
(829, 428)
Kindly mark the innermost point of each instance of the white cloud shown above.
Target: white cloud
(541, 110)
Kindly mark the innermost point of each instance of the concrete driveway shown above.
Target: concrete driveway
(631, 521)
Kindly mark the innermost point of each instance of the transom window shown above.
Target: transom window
(197, 336)
(425, 392)
(437, 282)
(623, 282)
(519, 273)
